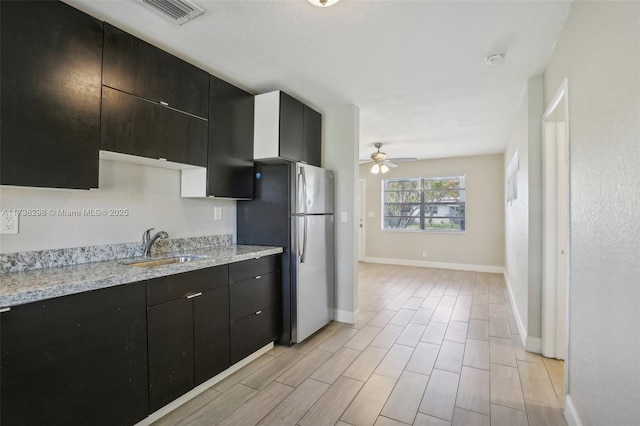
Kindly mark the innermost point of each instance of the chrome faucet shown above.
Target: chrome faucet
(148, 240)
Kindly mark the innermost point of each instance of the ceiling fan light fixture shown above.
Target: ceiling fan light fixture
(384, 168)
(323, 3)
(375, 169)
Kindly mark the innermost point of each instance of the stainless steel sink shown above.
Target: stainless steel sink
(165, 260)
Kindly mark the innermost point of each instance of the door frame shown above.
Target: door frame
(556, 163)
(362, 191)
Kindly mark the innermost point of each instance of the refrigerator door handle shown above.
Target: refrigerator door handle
(304, 190)
(304, 241)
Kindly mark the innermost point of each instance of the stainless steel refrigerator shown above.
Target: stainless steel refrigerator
(293, 208)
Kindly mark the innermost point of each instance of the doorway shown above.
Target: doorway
(556, 227)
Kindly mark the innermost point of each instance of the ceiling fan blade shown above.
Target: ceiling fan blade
(390, 164)
(403, 159)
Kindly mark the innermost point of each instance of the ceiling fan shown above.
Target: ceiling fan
(382, 162)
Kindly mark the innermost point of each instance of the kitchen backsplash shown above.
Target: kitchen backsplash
(28, 260)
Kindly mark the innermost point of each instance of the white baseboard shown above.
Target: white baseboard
(155, 416)
(531, 344)
(348, 317)
(440, 265)
(570, 412)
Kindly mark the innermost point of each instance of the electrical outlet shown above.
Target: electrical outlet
(9, 223)
(424, 253)
(370, 214)
(217, 213)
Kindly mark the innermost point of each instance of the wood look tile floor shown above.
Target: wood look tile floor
(431, 347)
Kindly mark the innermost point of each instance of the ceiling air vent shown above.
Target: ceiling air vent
(176, 11)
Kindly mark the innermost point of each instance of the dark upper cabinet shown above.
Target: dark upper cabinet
(136, 67)
(79, 359)
(286, 128)
(312, 139)
(50, 109)
(291, 128)
(230, 157)
(154, 105)
(135, 126)
(188, 323)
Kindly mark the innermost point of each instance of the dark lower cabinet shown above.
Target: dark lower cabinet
(188, 323)
(170, 351)
(76, 360)
(50, 89)
(255, 304)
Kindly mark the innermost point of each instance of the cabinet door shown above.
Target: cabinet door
(170, 328)
(50, 109)
(312, 149)
(132, 125)
(253, 332)
(79, 359)
(136, 67)
(230, 164)
(291, 127)
(211, 333)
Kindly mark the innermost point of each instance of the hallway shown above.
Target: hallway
(431, 347)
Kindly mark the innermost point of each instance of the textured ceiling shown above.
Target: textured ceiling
(414, 68)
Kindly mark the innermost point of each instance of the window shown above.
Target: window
(424, 204)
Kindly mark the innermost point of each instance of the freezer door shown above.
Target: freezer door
(313, 275)
(314, 189)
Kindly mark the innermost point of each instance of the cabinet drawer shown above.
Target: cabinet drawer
(241, 271)
(177, 286)
(253, 332)
(254, 294)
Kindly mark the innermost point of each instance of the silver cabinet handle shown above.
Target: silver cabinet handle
(258, 277)
(164, 103)
(4, 310)
(258, 313)
(191, 296)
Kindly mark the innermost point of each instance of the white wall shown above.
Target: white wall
(481, 247)
(151, 194)
(523, 217)
(599, 52)
(341, 135)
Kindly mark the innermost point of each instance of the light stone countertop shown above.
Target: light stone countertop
(17, 288)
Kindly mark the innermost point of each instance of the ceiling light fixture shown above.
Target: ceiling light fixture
(323, 3)
(494, 59)
(379, 167)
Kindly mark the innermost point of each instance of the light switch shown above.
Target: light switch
(217, 213)
(370, 214)
(343, 217)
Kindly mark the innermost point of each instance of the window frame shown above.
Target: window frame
(423, 205)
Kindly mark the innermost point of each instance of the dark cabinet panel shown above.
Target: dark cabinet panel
(312, 140)
(240, 271)
(253, 332)
(79, 359)
(255, 304)
(188, 322)
(249, 296)
(291, 127)
(176, 286)
(50, 110)
(132, 125)
(170, 328)
(211, 333)
(134, 66)
(230, 165)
